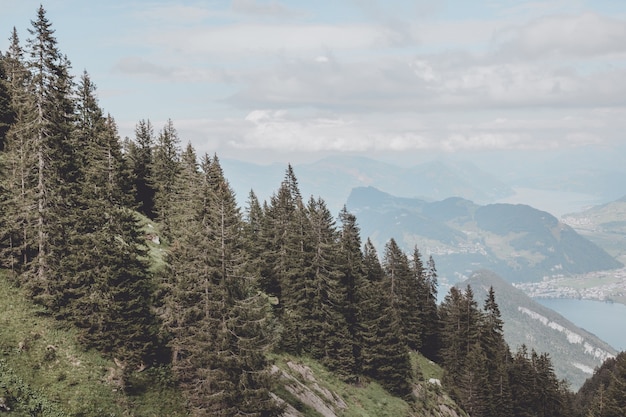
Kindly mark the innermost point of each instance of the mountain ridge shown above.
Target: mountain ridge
(516, 240)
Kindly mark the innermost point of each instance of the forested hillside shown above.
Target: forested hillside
(226, 289)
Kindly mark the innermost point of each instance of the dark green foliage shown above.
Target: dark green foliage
(385, 354)
(7, 114)
(403, 287)
(604, 395)
(163, 173)
(218, 323)
(427, 285)
(139, 157)
(350, 265)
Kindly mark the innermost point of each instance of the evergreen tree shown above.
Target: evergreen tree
(427, 284)
(139, 156)
(613, 402)
(165, 168)
(7, 114)
(17, 235)
(472, 386)
(452, 338)
(329, 333)
(350, 265)
(384, 353)
(522, 381)
(497, 357)
(254, 234)
(402, 285)
(284, 232)
(56, 165)
(217, 321)
(371, 263)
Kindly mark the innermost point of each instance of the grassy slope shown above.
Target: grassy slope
(45, 357)
(368, 399)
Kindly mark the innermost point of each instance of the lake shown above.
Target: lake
(605, 320)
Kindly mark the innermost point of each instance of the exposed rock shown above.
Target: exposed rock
(313, 395)
(154, 238)
(3, 405)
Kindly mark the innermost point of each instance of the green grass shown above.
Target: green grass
(156, 252)
(368, 398)
(40, 357)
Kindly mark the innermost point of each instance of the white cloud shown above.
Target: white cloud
(558, 36)
(268, 9)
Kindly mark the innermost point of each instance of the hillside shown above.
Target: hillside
(43, 367)
(520, 243)
(575, 352)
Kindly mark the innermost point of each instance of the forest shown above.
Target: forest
(234, 285)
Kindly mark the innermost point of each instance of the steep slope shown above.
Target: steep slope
(519, 242)
(42, 366)
(575, 352)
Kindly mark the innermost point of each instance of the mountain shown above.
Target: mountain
(517, 241)
(334, 177)
(575, 353)
(605, 225)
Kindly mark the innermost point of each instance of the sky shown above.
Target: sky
(289, 80)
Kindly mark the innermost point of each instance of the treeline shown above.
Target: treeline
(281, 275)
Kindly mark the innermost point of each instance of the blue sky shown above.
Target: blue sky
(293, 80)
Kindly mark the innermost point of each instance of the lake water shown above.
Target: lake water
(605, 320)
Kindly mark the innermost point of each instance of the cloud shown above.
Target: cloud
(286, 131)
(558, 36)
(140, 67)
(134, 65)
(268, 9)
(175, 14)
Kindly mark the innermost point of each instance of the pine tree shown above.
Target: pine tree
(7, 114)
(616, 392)
(385, 355)
(139, 156)
(522, 382)
(452, 339)
(17, 236)
(497, 356)
(284, 235)
(350, 264)
(472, 385)
(427, 284)
(217, 321)
(326, 329)
(56, 165)
(384, 351)
(165, 168)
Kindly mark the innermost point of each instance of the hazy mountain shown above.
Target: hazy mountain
(333, 178)
(517, 241)
(605, 225)
(575, 352)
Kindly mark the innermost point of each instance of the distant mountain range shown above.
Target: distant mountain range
(517, 241)
(557, 183)
(575, 353)
(334, 177)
